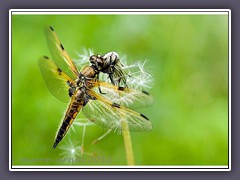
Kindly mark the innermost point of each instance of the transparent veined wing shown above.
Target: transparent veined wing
(55, 79)
(59, 54)
(110, 115)
(128, 97)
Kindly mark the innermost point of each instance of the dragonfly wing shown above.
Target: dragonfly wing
(59, 54)
(111, 115)
(128, 97)
(55, 79)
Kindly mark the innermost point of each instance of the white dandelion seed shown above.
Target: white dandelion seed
(70, 151)
(83, 57)
(140, 78)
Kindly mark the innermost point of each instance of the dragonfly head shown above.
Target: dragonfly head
(103, 63)
(97, 62)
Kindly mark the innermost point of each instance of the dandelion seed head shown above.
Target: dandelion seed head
(136, 73)
(83, 57)
(70, 150)
(138, 79)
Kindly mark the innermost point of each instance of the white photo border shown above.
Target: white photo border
(108, 12)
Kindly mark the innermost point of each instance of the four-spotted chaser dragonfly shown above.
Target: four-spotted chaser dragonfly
(87, 93)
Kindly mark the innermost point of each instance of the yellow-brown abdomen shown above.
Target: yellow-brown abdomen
(75, 106)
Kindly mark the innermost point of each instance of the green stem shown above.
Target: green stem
(127, 143)
(83, 136)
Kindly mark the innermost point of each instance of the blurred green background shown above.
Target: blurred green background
(188, 58)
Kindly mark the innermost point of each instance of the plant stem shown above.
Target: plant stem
(127, 143)
(83, 136)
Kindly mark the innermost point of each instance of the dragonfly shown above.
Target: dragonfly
(85, 92)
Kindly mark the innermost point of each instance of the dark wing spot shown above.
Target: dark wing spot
(45, 57)
(145, 92)
(144, 117)
(62, 46)
(59, 71)
(121, 88)
(116, 105)
(51, 28)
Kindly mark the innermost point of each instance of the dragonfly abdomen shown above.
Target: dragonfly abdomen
(76, 104)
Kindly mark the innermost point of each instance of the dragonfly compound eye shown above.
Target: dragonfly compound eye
(97, 61)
